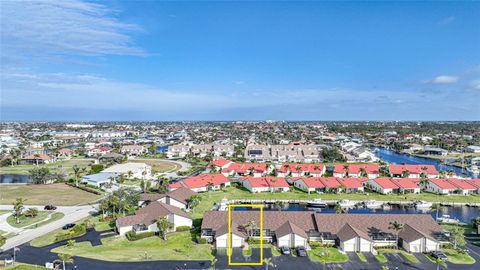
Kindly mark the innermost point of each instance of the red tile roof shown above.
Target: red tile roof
(462, 184)
(313, 182)
(351, 182)
(385, 182)
(244, 167)
(406, 183)
(202, 180)
(355, 168)
(301, 167)
(474, 182)
(267, 181)
(443, 183)
(330, 182)
(218, 163)
(413, 169)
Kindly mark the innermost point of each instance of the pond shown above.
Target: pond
(15, 179)
(399, 158)
(162, 148)
(462, 213)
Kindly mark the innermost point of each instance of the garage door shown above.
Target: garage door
(284, 241)
(299, 241)
(349, 247)
(236, 242)
(365, 247)
(221, 243)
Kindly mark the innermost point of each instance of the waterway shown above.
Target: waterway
(15, 179)
(399, 158)
(462, 213)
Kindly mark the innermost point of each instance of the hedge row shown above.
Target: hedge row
(86, 188)
(78, 230)
(133, 236)
(183, 228)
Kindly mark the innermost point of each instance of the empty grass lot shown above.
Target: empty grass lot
(56, 194)
(330, 255)
(158, 165)
(66, 165)
(179, 246)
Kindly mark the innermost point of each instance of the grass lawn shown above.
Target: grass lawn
(66, 165)
(430, 258)
(362, 257)
(209, 198)
(158, 165)
(53, 217)
(56, 194)
(406, 255)
(467, 227)
(26, 221)
(458, 258)
(179, 246)
(381, 258)
(275, 251)
(49, 238)
(24, 266)
(331, 255)
(4, 212)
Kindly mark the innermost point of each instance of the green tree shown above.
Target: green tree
(397, 227)
(163, 226)
(457, 236)
(39, 175)
(340, 210)
(267, 262)
(193, 202)
(65, 258)
(18, 206)
(31, 212)
(250, 227)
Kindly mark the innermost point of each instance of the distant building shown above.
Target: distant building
(428, 150)
(473, 149)
(136, 170)
(134, 150)
(100, 179)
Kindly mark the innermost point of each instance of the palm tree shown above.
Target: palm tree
(130, 174)
(363, 172)
(340, 210)
(250, 226)
(267, 262)
(405, 173)
(114, 201)
(37, 157)
(77, 171)
(346, 168)
(210, 186)
(104, 206)
(65, 258)
(423, 180)
(18, 206)
(213, 262)
(397, 227)
(193, 202)
(163, 225)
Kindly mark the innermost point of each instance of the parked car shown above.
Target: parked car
(68, 226)
(301, 252)
(285, 250)
(439, 255)
(50, 207)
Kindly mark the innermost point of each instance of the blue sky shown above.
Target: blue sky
(133, 60)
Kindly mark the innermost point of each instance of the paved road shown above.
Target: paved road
(71, 215)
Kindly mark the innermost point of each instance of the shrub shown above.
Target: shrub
(133, 236)
(78, 230)
(70, 243)
(183, 228)
(201, 240)
(87, 189)
(3, 239)
(96, 168)
(253, 241)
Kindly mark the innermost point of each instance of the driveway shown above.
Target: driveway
(71, 215)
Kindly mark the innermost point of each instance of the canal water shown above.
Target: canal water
(15, 179)
(162, 148)
(398, 158)
(462, 213)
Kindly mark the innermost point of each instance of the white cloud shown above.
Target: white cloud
(445, 79)
(43, 29)
(475, 84)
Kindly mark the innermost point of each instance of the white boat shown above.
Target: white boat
(423, 204)
(447, 219)
(346, 203)
(317, 203)
(372, 204)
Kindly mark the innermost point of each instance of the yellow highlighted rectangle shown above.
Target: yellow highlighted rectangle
(229, 241)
